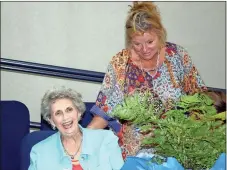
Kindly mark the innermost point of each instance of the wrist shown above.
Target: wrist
(90, 127)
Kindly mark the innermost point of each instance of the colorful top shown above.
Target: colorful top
(176, 76)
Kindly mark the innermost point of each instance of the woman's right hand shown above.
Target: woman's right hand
(97, 123)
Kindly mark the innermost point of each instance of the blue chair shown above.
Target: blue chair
(86, 119)
(14, 124)
(28, 142)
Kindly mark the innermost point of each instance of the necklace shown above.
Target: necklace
(72, 156)
(153, 69)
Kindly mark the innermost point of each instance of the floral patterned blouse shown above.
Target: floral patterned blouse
(176, 76)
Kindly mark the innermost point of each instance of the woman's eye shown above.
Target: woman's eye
(150, 42)
(69, 109)
(57, 113)
(137, 44)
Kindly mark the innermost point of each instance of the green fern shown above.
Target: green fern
(194, 143)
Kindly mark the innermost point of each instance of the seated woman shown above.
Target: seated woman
(73, 147)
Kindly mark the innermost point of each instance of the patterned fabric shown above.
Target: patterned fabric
(175, 77)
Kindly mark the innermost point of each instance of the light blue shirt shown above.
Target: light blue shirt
(100, 151)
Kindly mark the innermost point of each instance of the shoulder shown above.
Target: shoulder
(101, 135)
(121, 57)
(176, 52)
(46, 144)
(175, 47)
(119, 61)
(122, 53)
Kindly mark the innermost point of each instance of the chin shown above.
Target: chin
(147, 57)
(69, 132)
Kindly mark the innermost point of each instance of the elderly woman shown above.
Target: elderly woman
(73, 147)
(149, 63)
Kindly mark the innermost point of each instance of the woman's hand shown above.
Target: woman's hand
(97, 123)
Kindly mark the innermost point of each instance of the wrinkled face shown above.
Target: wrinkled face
(146, 45)
(65, 117)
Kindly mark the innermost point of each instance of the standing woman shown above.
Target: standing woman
(149, 63)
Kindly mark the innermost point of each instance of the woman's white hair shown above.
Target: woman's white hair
(60, 93)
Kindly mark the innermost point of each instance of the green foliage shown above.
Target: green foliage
(135, 109)
(199, 103)
(195, 141)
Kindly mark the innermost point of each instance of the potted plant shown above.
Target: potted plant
(191, 131)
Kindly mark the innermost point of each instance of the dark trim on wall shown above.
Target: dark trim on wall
(35, 125)
(50, 70)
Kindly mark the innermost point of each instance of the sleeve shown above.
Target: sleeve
(33, 160)
(114, 152)
(192, 81)
(108, 97)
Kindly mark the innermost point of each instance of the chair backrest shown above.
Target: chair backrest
(28, 142)
(14, 117)
(86, 119)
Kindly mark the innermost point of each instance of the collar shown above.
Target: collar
(87, 147)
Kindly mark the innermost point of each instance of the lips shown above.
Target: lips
(146, 54)
(68, 124)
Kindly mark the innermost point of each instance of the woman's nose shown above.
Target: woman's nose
(65, 116)
(144, 48)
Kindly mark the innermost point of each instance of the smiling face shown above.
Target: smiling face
(146, 46)
(65, 116)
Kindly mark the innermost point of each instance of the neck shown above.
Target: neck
(72, 145)
(152, 64)
(72, 138)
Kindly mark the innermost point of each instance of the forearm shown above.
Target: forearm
(97, 123)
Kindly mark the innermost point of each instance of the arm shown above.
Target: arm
(33, 159)
(98, 123)
(109, 95)
(192, 81)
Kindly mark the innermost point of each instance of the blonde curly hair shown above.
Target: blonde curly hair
(144, 17)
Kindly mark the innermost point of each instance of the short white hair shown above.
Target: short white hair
(60, 93)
